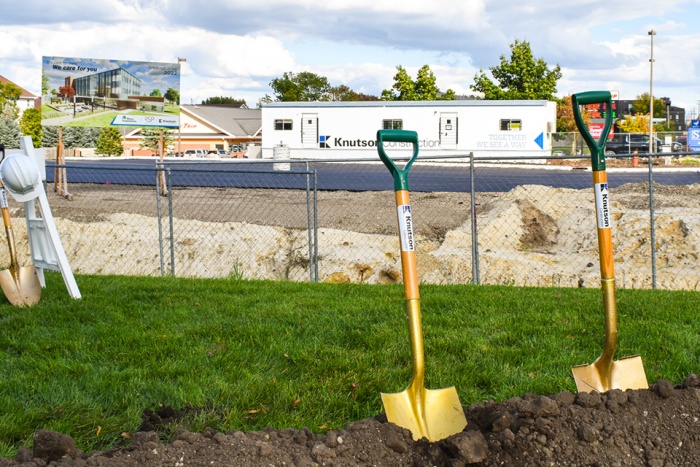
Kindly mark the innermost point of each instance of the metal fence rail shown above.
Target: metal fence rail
(520, 221)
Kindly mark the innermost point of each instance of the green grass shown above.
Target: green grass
(252, 354)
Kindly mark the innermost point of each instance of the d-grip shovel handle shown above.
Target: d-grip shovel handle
(398, 136)
(597, 147)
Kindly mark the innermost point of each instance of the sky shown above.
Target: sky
(234, 48)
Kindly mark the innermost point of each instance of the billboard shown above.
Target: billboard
(694, 136)
(93, 92)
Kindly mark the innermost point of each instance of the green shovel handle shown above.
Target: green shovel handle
(398, 136)
(597, 147)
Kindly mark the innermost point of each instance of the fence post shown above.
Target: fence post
(309, 223)
(315, 226)
(475, 235)
(652, 232)
(169, 184)
(159, 169)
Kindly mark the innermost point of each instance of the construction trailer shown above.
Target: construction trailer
(323, 130)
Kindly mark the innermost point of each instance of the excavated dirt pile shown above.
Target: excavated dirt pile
(655, 428)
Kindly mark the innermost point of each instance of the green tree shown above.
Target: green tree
(520, 77)
(172, 95)
(80, 137)
(156, 93)
(9, 132)
(304, 86)
(640, 106)
(266, 99)
(30, 124)
(9, 95)
(110, 142)
(49, 136)
(424, 88)
(223, 100)
(44, 84)
(150, 139)
(343, 93)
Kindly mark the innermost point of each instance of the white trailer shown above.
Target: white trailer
(323, 130)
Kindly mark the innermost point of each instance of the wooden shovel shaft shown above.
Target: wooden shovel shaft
(413, 315)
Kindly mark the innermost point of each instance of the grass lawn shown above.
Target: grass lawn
(255, 353)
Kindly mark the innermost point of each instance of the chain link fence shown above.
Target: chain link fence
(525, 222)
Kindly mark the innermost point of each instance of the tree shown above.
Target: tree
(172, 95)
(641, 106)
(66, 92)
(110, 142)
(9, 132)
(521, 77)
(80, 137)
(30, 124)
(635, 124)
(49, 136)
(9, 95)
(44, 84)
(266, 99)
(403, 88)
(424, 88)
(305, 86)
(156, 93)
(565, 116)
(223, 100)
(151, 139)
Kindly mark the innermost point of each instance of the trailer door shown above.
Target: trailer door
(309, 130)
(448, 130)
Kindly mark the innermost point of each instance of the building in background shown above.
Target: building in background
(27, 100)
(210, 128)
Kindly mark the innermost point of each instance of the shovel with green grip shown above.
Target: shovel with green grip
(434, 414)
(605, 373)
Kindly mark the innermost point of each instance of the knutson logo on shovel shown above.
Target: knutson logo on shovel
(602, 202)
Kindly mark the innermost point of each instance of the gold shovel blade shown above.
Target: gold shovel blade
(434, 414)
(626, 373)
(21, 287)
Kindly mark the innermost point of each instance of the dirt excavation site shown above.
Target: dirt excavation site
(523, 236)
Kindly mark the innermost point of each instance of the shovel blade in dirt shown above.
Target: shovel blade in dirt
(434, 414)
(21, 286)
(626, 373)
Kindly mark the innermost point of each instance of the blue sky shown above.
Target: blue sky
(236, 47)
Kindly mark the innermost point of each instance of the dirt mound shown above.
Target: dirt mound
(655, 427)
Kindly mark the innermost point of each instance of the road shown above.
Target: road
(355, 177)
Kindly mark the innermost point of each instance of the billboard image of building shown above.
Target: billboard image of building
(117, 83)
(97, 92)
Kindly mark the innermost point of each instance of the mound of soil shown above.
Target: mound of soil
(655, 427)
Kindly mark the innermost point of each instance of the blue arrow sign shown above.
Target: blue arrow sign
(540, 140)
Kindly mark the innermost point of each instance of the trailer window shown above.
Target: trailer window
(393, 124)
(283, 124)
(509, 124)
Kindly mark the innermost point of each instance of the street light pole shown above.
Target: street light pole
(652, 33)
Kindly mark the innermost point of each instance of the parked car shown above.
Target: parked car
(683, 141)
(195, 153)
(557, 153)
